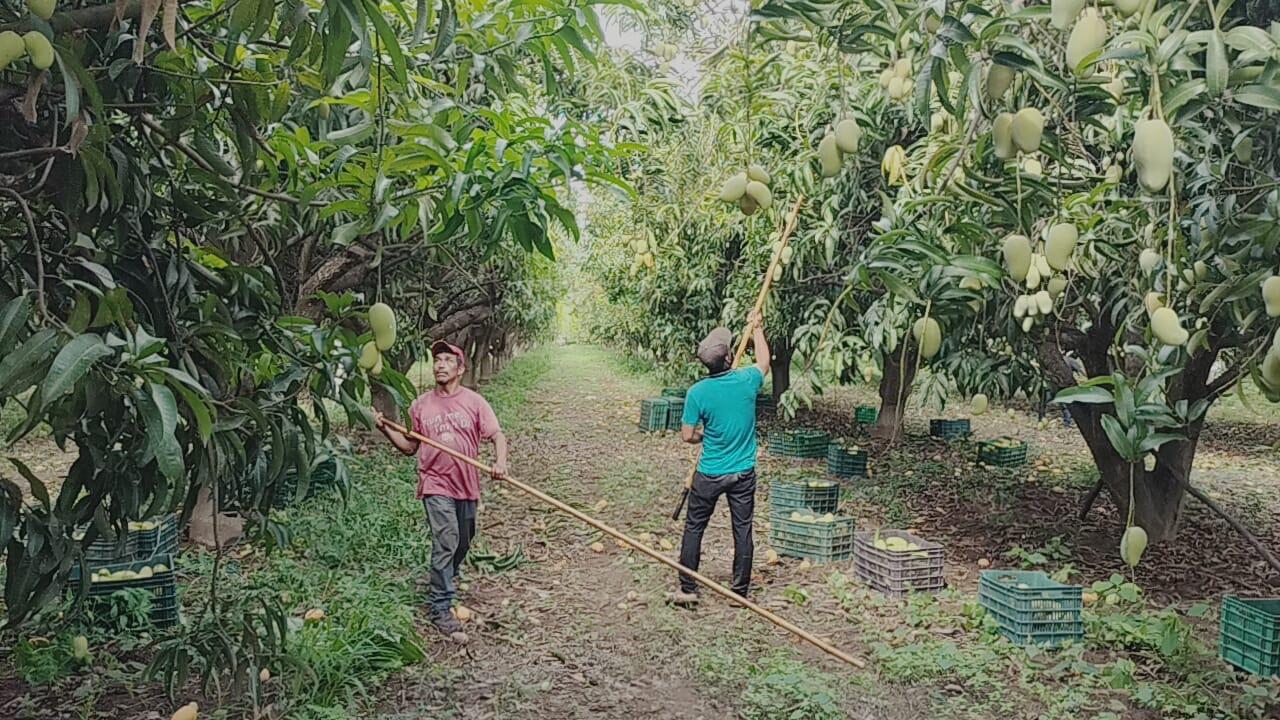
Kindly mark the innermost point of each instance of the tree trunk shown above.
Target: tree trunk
(780, 366)
(895, 388)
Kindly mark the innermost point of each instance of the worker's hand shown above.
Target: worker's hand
(755, 319)
(500, 470)
(378, 418)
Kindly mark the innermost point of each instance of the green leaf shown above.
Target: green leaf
(1263, 96)
(72, 362)
(1216, 67)
(1119, 440)
(16, 367)
(160, 415)
(446, 30)
(13, 318)
(1088, 395)
(38, 490)
(390, 43)
(200, 410)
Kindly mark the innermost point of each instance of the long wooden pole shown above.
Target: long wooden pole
(787, 229)
(715, 587)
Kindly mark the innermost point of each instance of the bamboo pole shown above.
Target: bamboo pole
(715, 587)
(787, 229)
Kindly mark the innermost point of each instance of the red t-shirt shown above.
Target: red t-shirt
(459, 421)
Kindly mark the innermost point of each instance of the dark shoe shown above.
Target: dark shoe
(737, 603)
(449, 625)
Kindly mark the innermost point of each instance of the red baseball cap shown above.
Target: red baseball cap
(440, 347)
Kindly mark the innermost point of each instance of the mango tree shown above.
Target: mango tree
(1123, 163)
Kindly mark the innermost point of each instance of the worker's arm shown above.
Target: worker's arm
(499, 455)
(691, 434)
(756, 322)
(406, 445)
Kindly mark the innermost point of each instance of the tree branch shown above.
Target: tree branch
(88, 18)
(1266, 554)
(35, 241)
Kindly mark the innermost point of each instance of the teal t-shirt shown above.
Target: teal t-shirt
(725, 406)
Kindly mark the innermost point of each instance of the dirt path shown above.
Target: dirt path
(584, 634)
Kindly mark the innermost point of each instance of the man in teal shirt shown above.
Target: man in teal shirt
(720, 413)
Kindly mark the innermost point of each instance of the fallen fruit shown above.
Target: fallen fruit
(984, 563)
(187, 712)
(979, 404)
(804, 566)
(80, 648)
(463, 613)
(666, 544)
(264, 675)
(597, 547)
(1089, 598)
(313, 615)
(771, 556)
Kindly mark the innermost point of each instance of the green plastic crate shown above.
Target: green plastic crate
(162, 586)
(1250, 637)
(799, 443)
(949, 429)
(992, 453)
(865, 414)
(820, 496)
(675, 412)
(897, 573)
(653, 414)
(674, 392)
(162, 539)
(1030, 608)
(816, 541)
(845, 460)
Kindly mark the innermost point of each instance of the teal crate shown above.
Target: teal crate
(1002, 452)
(675, 413)
(865, 415)
(161, 585)
(674, 392)
(1030, 608)
(816, 541)
(653, 414)
(820, 496)
(949, 429)
(158, 536)
(1250, 637)
(803, 443)
(846, 460)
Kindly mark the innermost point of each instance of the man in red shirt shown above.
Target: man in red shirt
(448, 487)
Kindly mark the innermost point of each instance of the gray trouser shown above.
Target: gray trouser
(453, 524)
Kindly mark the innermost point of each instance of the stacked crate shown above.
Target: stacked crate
(802, 443)
(1030, 608)
(898, 563)
(846, 460)
(675, 412)
(653, 414)
(803, 523)
(153, 575)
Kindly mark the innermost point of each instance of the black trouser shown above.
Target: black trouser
(740, 488)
